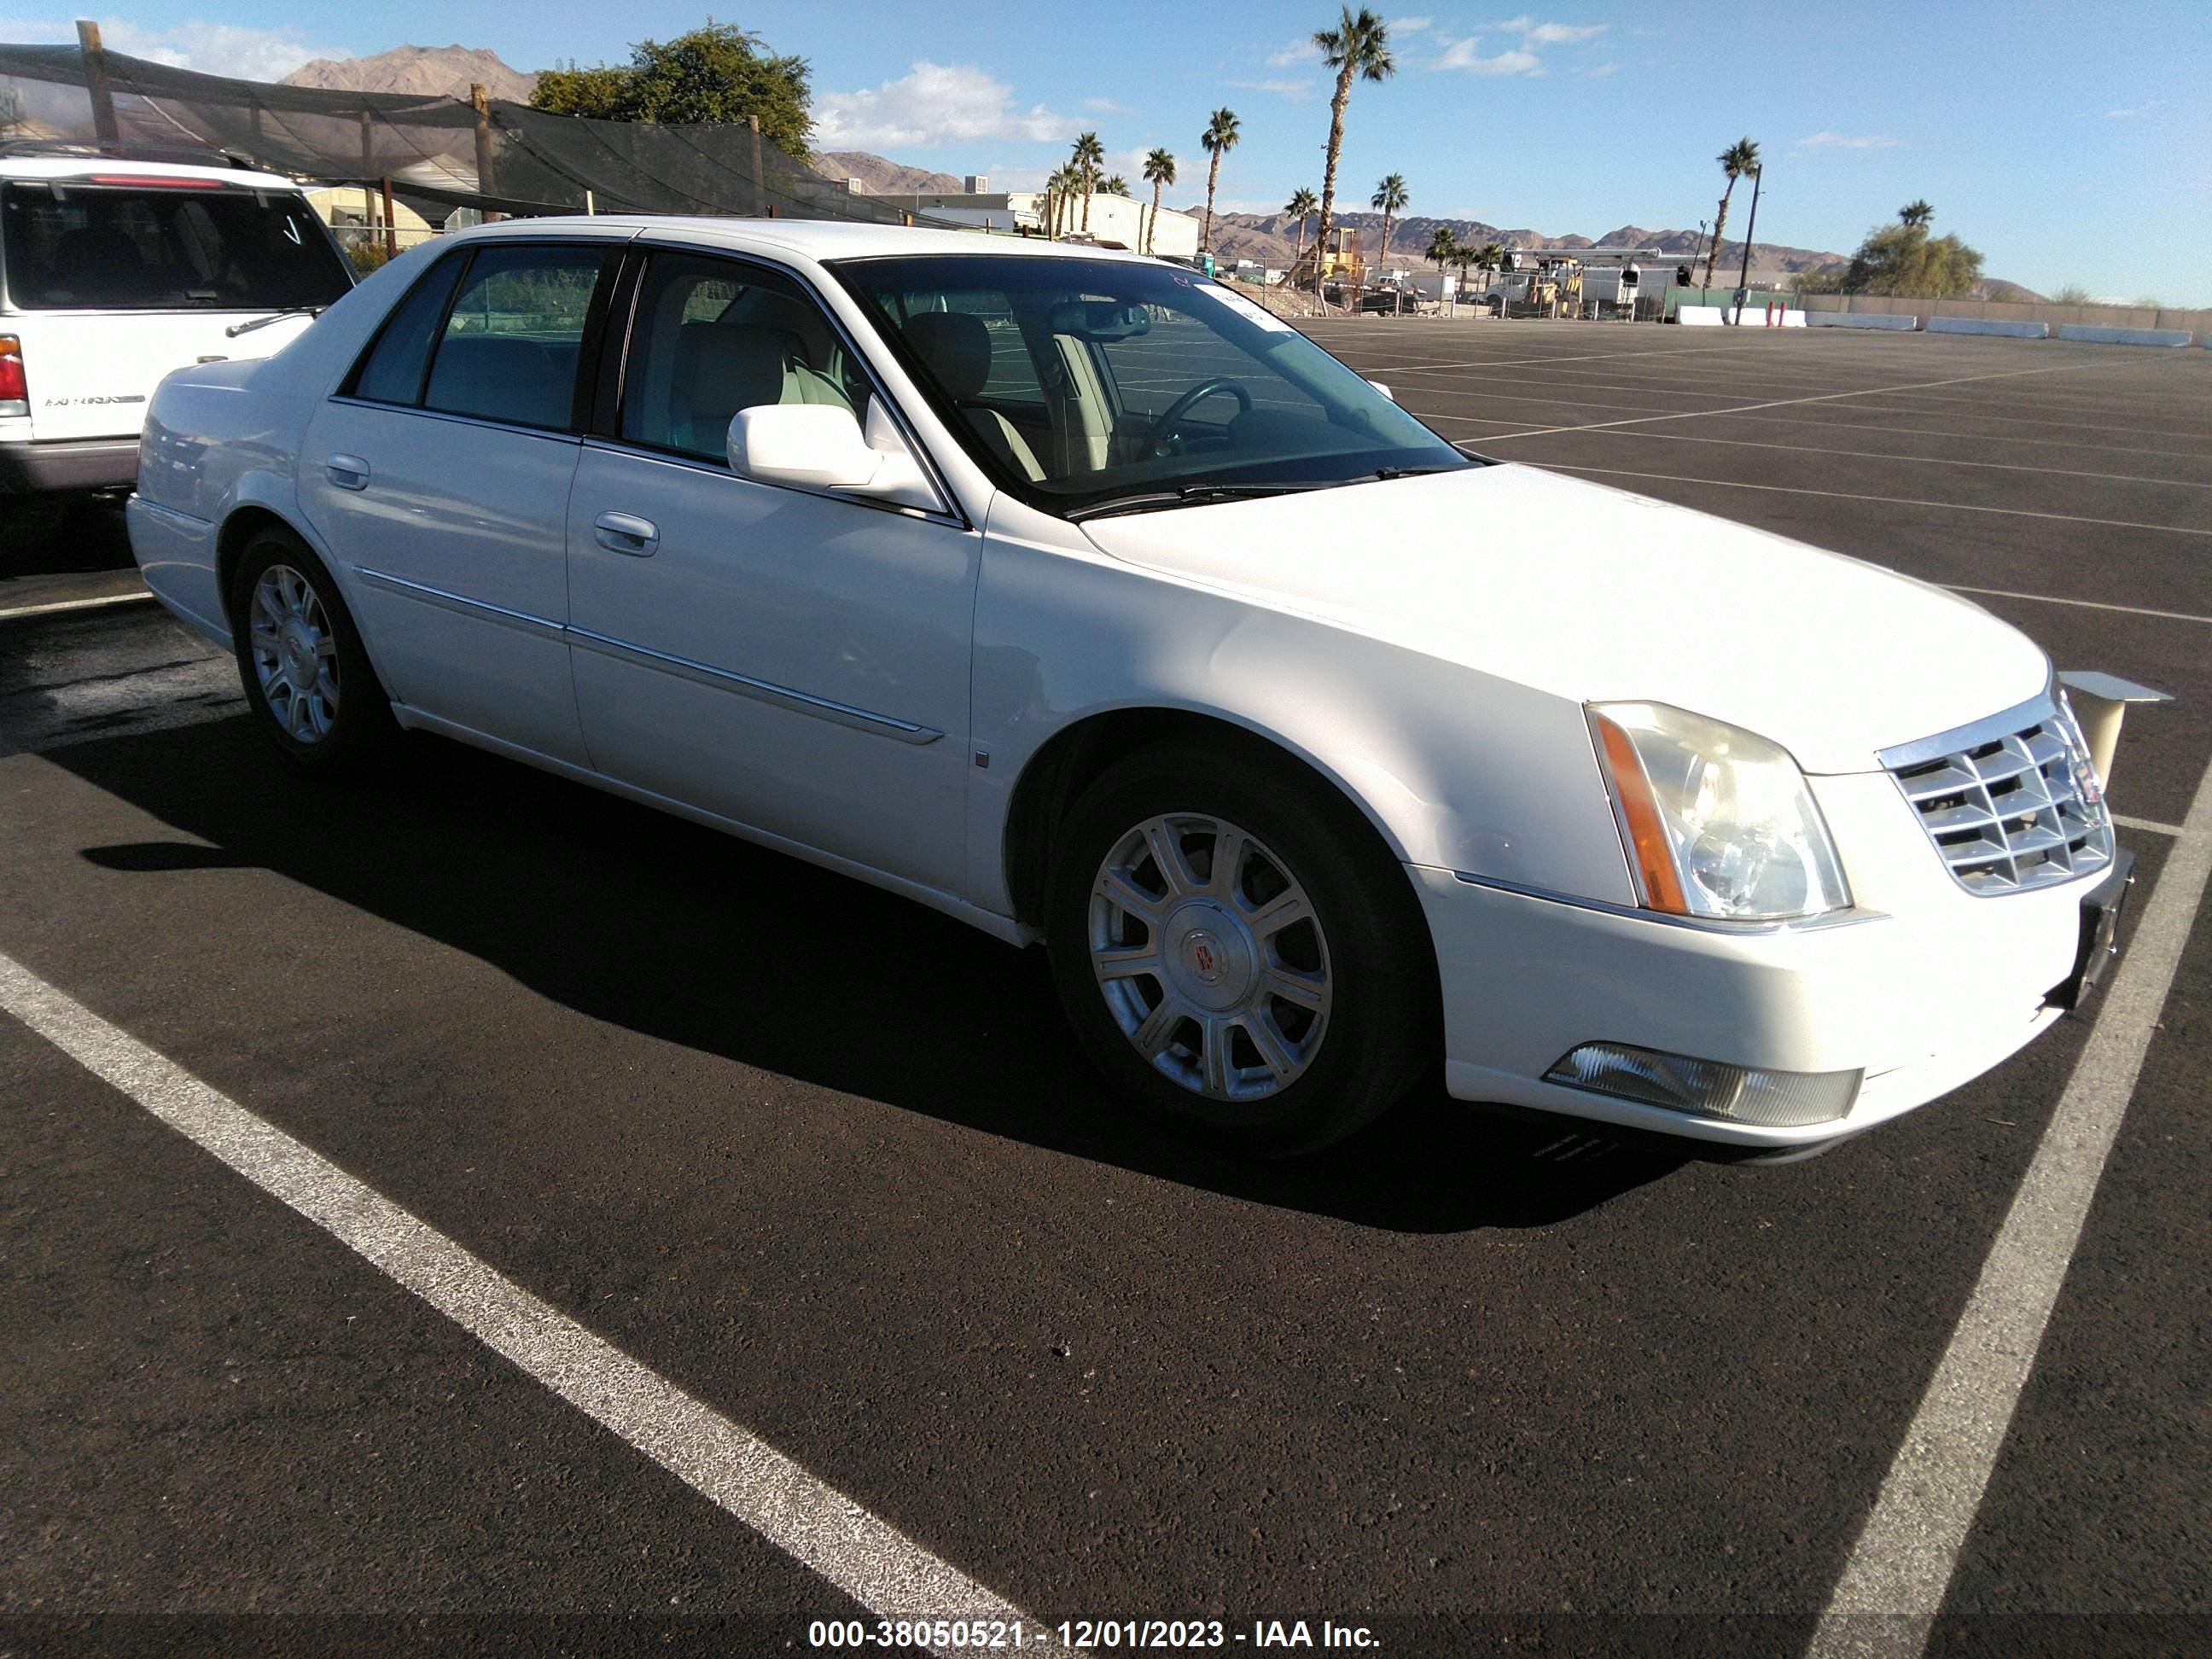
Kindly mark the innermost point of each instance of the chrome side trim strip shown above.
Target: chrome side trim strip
(541, 626)
(782, 696)
(1851, 917)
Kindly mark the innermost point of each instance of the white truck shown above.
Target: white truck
(115, 271)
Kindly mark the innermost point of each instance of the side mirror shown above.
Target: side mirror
(821, 447)
(1384, 390)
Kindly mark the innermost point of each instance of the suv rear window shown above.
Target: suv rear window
(68, 246)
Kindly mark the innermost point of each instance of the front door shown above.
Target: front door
(795, 662)
(440, 475)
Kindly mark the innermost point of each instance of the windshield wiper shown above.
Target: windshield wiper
(237, 329)
(1186, 495)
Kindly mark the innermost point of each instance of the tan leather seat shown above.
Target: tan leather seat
(956, 347)
(722, 368)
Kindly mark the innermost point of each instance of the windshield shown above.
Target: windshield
(71, 246)
(1080, 383)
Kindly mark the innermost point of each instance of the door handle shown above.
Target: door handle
(347, 471)
(624, 532)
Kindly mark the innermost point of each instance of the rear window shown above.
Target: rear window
(72, 246)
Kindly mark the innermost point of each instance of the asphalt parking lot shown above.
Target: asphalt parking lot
(827, 1163)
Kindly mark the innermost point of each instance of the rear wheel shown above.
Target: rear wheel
(307, 678)
(1238, 951)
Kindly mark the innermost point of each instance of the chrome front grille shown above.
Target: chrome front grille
(2011, 802)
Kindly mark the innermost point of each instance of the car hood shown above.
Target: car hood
(1598, 595)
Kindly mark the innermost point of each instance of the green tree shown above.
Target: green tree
(1089, 154)
(1116, 185)
(1487, 259)
(1389, 196)
(1359, 47)
(1916, 212)
(718, 74)
(1219, 137)
(1739, 161)
(1058, 196)
(1904, 259)
(1159, 172)
(1444, 247)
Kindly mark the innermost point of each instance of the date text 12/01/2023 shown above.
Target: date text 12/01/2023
(939, 1635)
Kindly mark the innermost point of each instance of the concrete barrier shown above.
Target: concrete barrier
(1989, 325)
(1754, 316)
(2143, 336)
(1861, 319)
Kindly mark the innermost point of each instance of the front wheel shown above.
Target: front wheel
(1238, 951)
(300, 657)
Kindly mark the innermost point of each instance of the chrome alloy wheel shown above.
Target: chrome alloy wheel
(295, 653)
(1211, 957)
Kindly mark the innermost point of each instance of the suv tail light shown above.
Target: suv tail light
(14, 390)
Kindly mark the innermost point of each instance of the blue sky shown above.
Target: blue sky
(2070, 144)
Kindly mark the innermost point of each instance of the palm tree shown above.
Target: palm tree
(1060, 196)
(1302, 206)
(1090, 156)
(1220, 137)
(1739, 161)
(1444, 244)
(1915, 213)
(1389, 196)
(1115, 184)
(1159, 171)
(1360, 46)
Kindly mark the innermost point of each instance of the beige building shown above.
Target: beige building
(1115, 220)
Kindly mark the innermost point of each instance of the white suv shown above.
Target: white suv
(114, 271)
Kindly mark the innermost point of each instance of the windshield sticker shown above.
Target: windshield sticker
(1244, 308)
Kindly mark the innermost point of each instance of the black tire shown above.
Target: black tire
(359, 729)
(1382, 1035)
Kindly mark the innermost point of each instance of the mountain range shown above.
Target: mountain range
(423, 71)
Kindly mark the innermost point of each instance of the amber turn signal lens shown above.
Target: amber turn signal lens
(1647, 836)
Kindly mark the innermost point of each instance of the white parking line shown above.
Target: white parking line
(2151, 825)
(867, 1557)
(72, 605)
(1894, 1583)
(1790, 403)
(2086, 604)
(1886, 500)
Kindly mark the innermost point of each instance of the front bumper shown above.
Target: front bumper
(67, 463)
(1921, 996)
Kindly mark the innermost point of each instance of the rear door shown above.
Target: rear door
(114, 279)
(440, 476)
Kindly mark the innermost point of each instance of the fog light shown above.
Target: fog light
(1774, 1100)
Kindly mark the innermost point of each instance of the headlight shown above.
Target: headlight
(1717, 822)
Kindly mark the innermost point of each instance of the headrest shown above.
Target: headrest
(763, 307)
(725, 367)
(954, 346)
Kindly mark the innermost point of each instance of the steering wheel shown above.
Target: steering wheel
(1164, 429)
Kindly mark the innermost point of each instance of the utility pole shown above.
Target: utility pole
(760, 174)
(1743, 278)
(96, 84)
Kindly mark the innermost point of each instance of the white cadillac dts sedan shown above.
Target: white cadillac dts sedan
(1070, 594)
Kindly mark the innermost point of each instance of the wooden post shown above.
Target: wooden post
(760, 204)
(482, 101)
(390, 229)
(96, 81)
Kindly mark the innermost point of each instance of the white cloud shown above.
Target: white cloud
(1405, 26)
(932, 104)
(2131, 114)
(1293, 90)
(1298, 51)
(1466, 55)
(247, 54)
(1599, 73)
(1534, 33)
(1105, 106)
(1837, 141)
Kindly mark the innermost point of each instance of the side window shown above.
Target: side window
(509, 349)
(713, 336)
(393, 371)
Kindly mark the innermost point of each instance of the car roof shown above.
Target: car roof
(820, 239)
(119, 167)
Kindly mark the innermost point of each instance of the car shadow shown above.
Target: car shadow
(633, 917)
